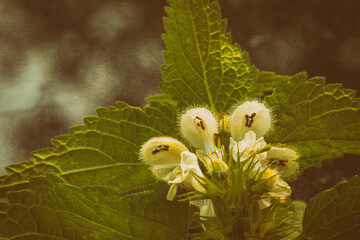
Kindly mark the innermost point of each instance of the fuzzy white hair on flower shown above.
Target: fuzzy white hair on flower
(162, 154)
(171, 161)
(250, 116)
(198, 126)
(185, 175)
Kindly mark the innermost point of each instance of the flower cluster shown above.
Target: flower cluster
(171, 161)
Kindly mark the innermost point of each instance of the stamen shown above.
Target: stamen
(160, 148)
(277, 161)
(199, 122)
(247, 122)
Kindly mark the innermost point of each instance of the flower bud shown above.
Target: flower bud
(198, 126)
(225, 123)
(250, 116)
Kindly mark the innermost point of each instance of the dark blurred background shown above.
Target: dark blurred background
(60, 59)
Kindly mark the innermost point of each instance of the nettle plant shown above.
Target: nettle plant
(209, 158)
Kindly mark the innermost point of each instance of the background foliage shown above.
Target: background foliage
(109, 142)
(63, 59)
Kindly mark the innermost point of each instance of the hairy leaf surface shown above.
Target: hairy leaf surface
(103, 151)
(202, 66)
(53, 209)
(267, 81)
(334, 214)
(319, 121)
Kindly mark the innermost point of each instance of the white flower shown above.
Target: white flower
(250, 116)
(246, 146)
(282, 159)
(213, 162)
(162, 150)
(206, 208)
(278, 189)
(198, 126)
(184, 174)
(171, 161)
(162, 154)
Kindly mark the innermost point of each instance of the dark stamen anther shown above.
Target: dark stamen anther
(199, 122)
(160, 148)
(247, 122)
(277, 161)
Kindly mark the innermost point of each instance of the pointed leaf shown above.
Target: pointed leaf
(53, 209)
(267, 81)
(319, 121)
(161, 97)
(202, 66)
(103, 151)
(334, 214)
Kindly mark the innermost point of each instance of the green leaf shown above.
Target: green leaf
(267, 81)
(103, 151)
(160, 98)
(334, 214)
(53, 209)
(202, 66)
(319, 121)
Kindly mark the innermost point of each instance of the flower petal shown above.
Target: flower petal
(198, 126)
(248, 141)
(246, 146)
(264, 203)
(206, 207)
(164, 172)
(172, 191)
(162, 150)
(189, 163)
(207, 210)
(283, 159)
(250, 116)
(213, 162)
